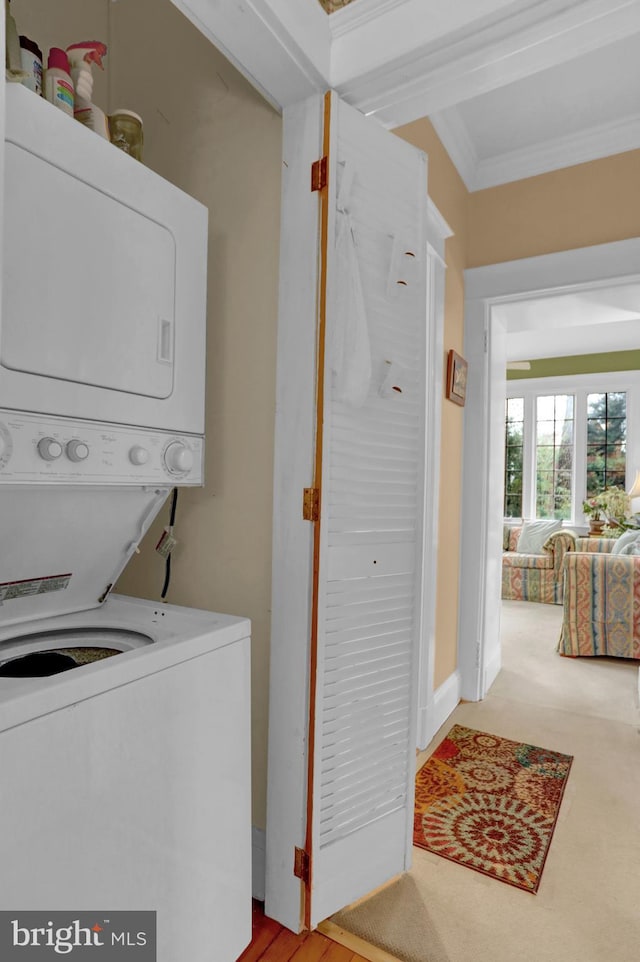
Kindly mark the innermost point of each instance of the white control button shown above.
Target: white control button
(138, 454)
(178, 458)
(49, 449)
(77, 451)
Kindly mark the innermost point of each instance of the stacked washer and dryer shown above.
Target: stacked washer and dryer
(124, 724)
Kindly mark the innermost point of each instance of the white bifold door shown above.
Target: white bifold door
(347, 581)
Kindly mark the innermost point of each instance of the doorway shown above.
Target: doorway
(486, 327)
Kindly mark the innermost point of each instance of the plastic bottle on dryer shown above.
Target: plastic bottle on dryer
(81, 58)
(58, 85)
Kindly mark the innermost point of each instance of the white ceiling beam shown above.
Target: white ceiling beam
(283, 55)
(479, 61)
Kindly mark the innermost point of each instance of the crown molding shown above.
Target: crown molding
(453, 133)
(356, 15)
(565, 151)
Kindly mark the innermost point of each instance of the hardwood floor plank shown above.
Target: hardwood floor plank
(264, 931)
(271, 942)
(284, 946)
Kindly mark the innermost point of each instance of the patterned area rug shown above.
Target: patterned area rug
(491, 804)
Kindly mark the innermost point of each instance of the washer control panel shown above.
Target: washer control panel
(36, 448)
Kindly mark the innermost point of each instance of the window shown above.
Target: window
(564, 441)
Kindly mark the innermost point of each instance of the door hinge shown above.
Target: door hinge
(301, 864)
(319, 174)
(311, 504)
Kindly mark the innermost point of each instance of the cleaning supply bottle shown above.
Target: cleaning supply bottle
(58, 85)
(32, 63)
(13, 59)
(81, 57)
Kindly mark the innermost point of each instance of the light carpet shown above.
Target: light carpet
(586, 909)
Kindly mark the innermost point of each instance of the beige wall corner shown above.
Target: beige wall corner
(450, 196)
(211, 134)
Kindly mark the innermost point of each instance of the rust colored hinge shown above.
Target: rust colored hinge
(319, 174)
(311, 504)
(301, 864)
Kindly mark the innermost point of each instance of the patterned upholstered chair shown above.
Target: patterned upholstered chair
(594, 544)
(534, 577)
(601, 605)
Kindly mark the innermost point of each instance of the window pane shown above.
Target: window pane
(514, 437)
(606, 440)
(515, 409)
(554, 456)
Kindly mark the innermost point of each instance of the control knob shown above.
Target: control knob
(178, 458)
(49, 449)
(138, 455)
(77, 451)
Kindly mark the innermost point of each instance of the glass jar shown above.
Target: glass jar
(125, 130)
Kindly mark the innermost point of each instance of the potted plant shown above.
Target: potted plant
(610, 507)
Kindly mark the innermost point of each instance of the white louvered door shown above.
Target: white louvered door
(371, 510)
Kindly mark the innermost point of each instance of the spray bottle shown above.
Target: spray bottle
(81, 57)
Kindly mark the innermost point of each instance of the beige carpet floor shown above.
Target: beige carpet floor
(588, 906)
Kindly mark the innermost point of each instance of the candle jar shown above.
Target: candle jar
(125, 130)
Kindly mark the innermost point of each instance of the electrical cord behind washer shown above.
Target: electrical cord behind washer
(167, 564)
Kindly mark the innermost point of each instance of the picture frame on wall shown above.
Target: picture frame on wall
(456, 378)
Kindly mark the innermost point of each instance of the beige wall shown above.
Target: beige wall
(207, 131)
(450, 196)
(579, 206)
(210, 133)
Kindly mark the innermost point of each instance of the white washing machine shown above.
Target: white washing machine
(124, 724)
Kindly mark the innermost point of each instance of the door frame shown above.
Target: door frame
(575, 270)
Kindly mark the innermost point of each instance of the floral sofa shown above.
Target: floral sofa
(601, 601)
(534, 577)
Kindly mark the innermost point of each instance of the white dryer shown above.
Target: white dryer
(104, 300)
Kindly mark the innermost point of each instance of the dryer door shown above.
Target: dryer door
(104, 279)
(92, 300)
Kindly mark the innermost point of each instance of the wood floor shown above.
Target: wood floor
(272, 943)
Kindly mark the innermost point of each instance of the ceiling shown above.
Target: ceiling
(592, 321)
(514, 88)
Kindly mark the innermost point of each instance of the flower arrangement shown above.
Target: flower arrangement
(612, 504)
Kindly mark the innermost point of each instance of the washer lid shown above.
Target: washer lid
(69, 545)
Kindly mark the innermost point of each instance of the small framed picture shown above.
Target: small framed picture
(456, 378)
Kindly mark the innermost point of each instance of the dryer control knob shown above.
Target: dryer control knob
(49, 449)
(178, 458)
(138, 455)
(77, 451)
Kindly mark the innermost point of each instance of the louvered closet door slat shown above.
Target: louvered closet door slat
(371, 520)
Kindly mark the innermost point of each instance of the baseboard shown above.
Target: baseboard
(445, 700)
(258, 863)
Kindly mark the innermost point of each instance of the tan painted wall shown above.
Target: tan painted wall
(451, 198)
(593, 203)
(210, 133)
